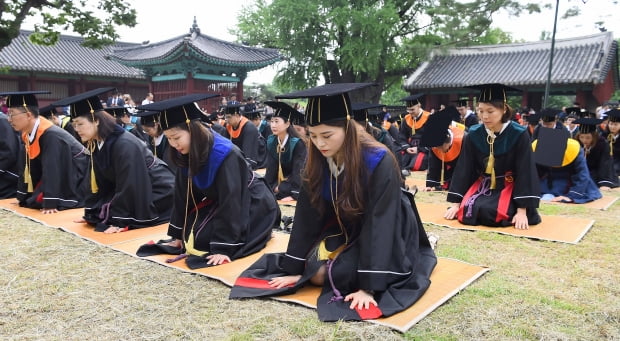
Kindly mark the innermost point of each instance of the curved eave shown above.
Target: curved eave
(173, 54)
(73, 72)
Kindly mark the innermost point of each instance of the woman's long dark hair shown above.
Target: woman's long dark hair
(351, 198)
(201, 144)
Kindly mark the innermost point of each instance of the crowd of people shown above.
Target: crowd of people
(356, 230)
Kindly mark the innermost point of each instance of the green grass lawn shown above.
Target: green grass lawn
(55, 286)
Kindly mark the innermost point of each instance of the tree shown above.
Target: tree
(364, 40)
(96, 25)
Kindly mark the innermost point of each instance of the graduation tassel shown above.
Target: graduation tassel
(610, 138)
(280, 172)
(27, 177)
(443, 167)
(93, 182)
(491, 163)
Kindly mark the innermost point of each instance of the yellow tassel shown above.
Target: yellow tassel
(280, 171)
(443, 167)
(93, 181)
(27, 177)
(610, 138)
(491, 163)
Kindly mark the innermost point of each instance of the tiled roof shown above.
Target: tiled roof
(66, 57)
(583, 60)
(209, 49)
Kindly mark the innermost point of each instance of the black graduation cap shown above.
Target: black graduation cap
(232, 109)
(253, 114)
(16, 99)
(360, 110)
(436, 127)
(588, 125)
(549, 114)
(461, 102)
(533, 119)
(283, 110)
(327, 103)
(412, 100)
(178, 110)
(613, 115)
(551, 146)
(148, 117)
(85, 103)
(298, 119)
(492, 92)
(117, 112)
(48, 111)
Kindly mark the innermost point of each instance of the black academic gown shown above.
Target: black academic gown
(435, 165)
(247, 138)
(418, 161)
(292, 161)
(600, 164)
(162, 152)
(229, 211)
(615, 150)
(387, 253)
(58, 172)
(558, 125)
(10, 147)
(514, 168)
(135, 188)
(470, 120)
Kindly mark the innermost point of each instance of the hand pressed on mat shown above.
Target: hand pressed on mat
(283, 281)
(520, 219)
(360, 300)
(217, 259)
(49, 210)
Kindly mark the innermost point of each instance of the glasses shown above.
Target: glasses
(11, 115)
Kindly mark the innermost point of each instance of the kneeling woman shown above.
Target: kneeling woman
(497, 180)
(222, 211)
(129, 187)
(286, 154)
(356, 233)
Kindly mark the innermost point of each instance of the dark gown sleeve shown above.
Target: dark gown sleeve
(465, 171)
(249, 144)
(290, 187)
(526, 192)
(9, 149)
(56, 164)
(307, 225)
(271, 172)
(132, 204)
(383, 237)
(605, 175)
(433, 175)
(231, 221)
(177, 216)
(405, 132)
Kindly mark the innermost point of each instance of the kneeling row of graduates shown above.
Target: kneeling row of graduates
(357, 233)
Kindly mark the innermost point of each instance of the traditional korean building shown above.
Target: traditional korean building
(191, 63)
(194, 63)
(583, 67)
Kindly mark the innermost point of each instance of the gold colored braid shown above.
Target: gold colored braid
(491, 163)
(610, 138)
(27, 176)
(93, 181)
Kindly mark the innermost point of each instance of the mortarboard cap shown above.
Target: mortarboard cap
(283, 110)
(48, 111)
(461, 102)
(117, 112)
(148, 117)
(22, 98)
(614, 115)
(412, 100)
(327, 103)
(588, 125)
(254, 114)
(533, 119)
(493, 92)
(360, 110)
(436, 127)
(551, 146)
(232, 109)
(178, 110)
(85, 103)
(549, 114)
(298, 119)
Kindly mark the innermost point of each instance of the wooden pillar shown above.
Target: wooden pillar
(189, 84)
